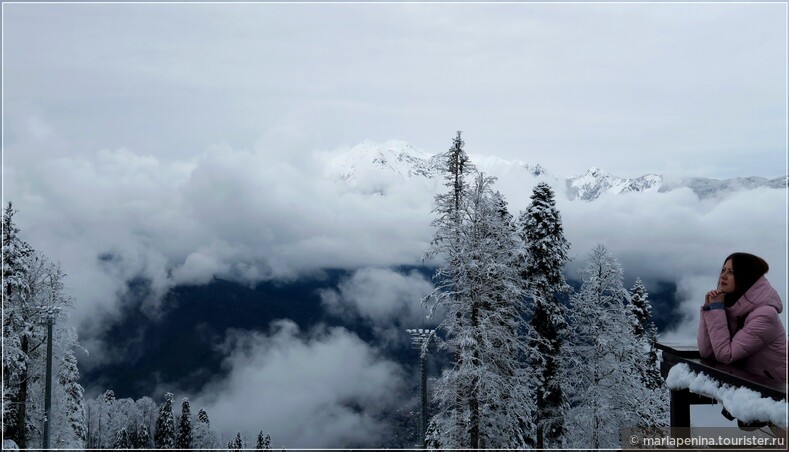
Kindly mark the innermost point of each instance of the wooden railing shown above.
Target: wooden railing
(681, 400)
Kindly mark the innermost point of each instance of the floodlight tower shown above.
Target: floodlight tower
(49, 313)
(420, 340)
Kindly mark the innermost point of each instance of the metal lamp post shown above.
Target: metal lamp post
(420, 340)
(50, 312)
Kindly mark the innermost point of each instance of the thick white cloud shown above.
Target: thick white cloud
(390, 300)
(244, 215)
(258, 215)
(325, 388)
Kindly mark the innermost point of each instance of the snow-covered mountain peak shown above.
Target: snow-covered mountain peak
(393, 156)
(595, 182)
(399, 158)
(595, 172)
(388, 149)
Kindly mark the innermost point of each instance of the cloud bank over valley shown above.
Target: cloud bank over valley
(252, 215)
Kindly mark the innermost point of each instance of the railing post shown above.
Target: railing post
(680, 408)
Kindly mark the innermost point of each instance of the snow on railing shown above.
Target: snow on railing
(743, 403)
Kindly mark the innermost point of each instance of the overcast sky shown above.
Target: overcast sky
(186, 141)
(686, 89)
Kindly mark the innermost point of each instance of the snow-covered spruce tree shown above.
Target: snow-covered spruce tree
(653, 410)
(640, 310)
(71, 432)
(203, 436)
(263, 442)
(122, 441)
(143, 440)
(482, 401)
(449, 292)
(202, 416)
(540, 228)
(17, 328)
(110, 420)
(602, 385)
(433, 436)
(235, 444)
(164, 437)
(184, 440)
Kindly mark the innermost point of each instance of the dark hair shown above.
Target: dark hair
(747, 270)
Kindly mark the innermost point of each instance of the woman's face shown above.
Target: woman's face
(726, 280)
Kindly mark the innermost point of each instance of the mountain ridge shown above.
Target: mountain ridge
(403, 159)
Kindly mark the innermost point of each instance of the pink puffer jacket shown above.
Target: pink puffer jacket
(761, 343)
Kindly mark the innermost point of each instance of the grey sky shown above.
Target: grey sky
(685, 89)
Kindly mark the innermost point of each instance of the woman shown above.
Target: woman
(739, 320)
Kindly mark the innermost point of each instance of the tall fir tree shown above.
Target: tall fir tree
(640, 310)
(184, 440)
(481, 400)
(653, 410)
(603, 386)
(203, 436)
(17, 329)
(447, 244)
(540, 228)
(164, 437)
(74, 432)
(106, 419)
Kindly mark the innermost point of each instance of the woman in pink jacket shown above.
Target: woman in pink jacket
(739, 320)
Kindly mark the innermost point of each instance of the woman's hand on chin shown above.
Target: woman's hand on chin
(714, 296)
